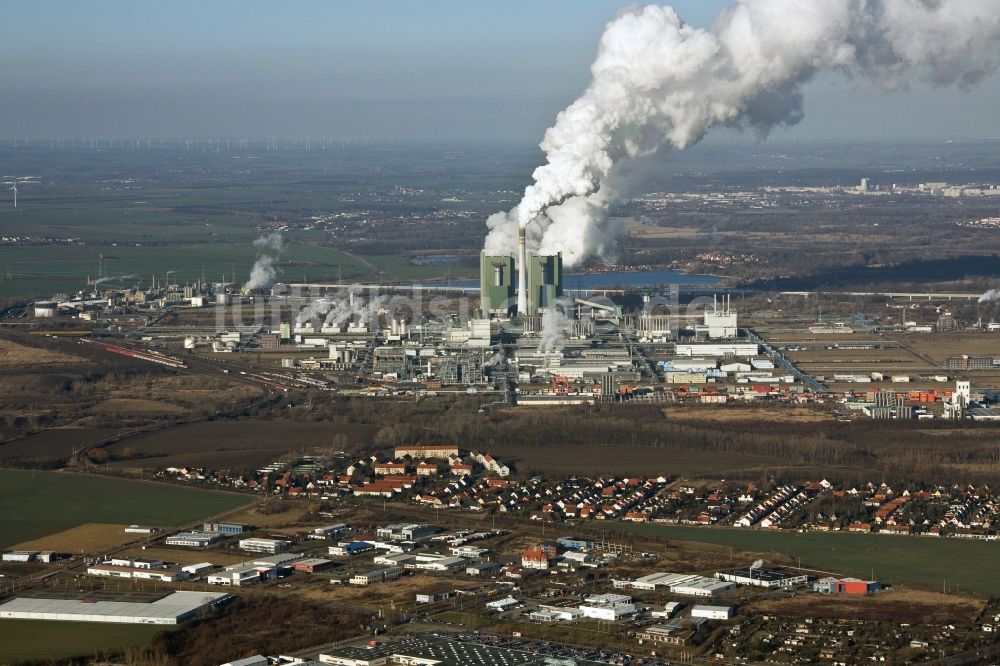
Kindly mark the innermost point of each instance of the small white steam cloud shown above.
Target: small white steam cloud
(272, 241)
(990, 296)
(113, 278)
(498, 357)
(555, 329)
(313, 310)
(263, 273)
(659, 85)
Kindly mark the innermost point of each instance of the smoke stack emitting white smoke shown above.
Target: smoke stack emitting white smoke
(661, 84)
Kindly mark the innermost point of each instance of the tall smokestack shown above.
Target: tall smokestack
(522, 275)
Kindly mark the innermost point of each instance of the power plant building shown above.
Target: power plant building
(545, 281)
(498, 283)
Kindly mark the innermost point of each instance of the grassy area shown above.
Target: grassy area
(22, 640)
(399, 268)
(44, 269)
(966, 566)
(34, 504)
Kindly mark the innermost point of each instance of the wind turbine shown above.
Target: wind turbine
(24, 180)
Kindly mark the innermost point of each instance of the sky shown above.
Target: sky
(420, 70)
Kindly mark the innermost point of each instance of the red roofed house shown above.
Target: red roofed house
(537, 558)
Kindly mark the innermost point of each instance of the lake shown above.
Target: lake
(630, 279)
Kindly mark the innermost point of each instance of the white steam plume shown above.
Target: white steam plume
(113, 278)
(498, 357)
(263, 272)
(990, 296)
(555, 329)
(660, 85)
(313, 310)
(337, 310)
(272, 241)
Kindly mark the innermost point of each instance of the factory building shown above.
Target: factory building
(763, 578)
(376, 576)
(969, 362)
(138, 569)
(830, 585)
(545, 281)
(271, 546)
(542, 279)
(496, 285)
(609, 607)
(686, 584)
(719, 323)
(406, 532)
(226, 528)
(723, 349)
(174, 608)
(193, 539)
(712, 612)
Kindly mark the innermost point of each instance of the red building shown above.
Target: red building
(857, 586)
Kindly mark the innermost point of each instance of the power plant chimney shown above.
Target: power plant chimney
(522, 275)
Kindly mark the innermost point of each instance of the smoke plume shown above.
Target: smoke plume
(263, 272)
(113, 278)
(555, 329)
(659, 84)
(272, 241)
(338, 309)
(498, 357)
(990, 296)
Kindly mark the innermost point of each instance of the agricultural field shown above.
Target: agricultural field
(52, 443)
(901, 604)
(14, 354)
(903, 559)
(86, 538)
(35, 504)
(183, 556)
(727, 413)
(22, 640)
(626, 460)
(235, 444)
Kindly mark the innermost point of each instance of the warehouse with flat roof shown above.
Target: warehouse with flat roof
(763, 577)
(174, 608)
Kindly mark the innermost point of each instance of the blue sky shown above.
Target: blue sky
(419, 69)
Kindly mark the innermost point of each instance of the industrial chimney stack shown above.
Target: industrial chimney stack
(522, 275)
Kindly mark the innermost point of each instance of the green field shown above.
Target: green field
(966, 566)
(22, 640)
(65, 268)
(35, 504)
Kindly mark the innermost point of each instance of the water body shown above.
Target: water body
(628, 279)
